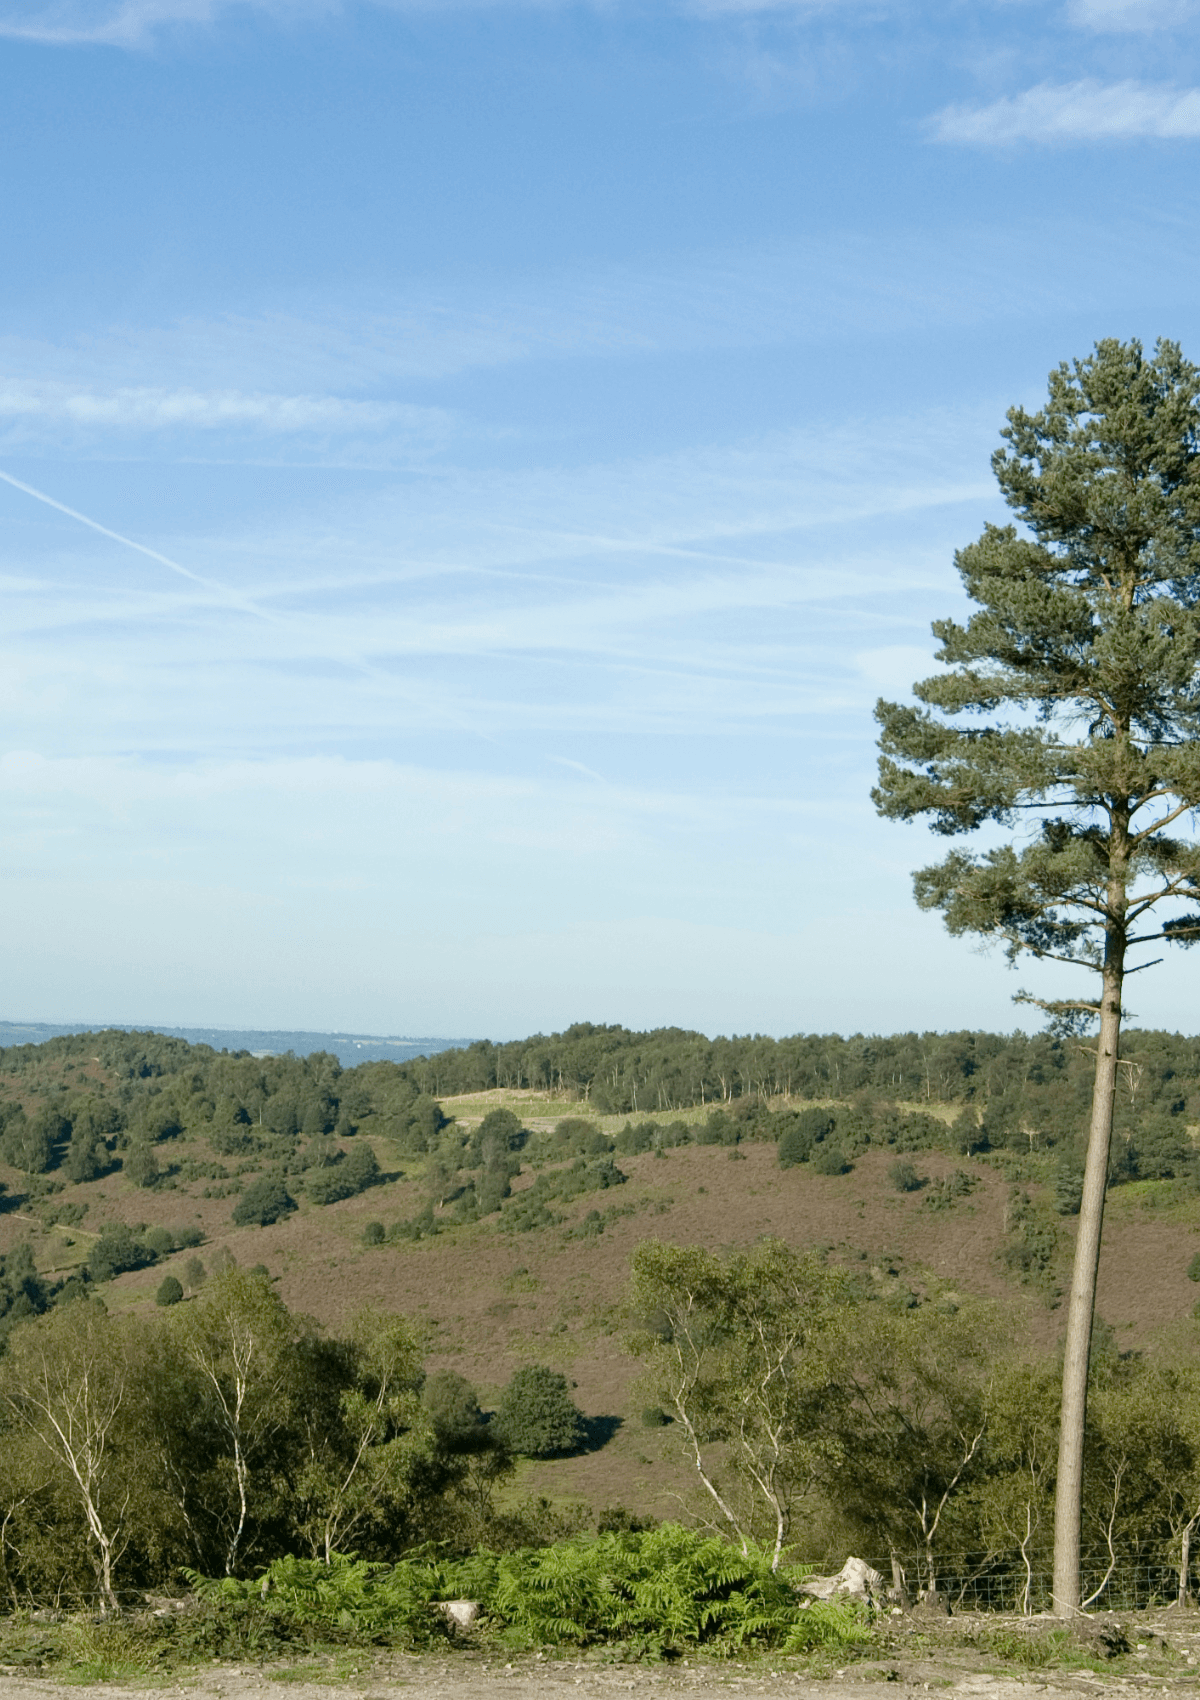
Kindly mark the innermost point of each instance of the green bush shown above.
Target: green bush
(87, 1158)
(120, 1247)
(719, 1129)
(830, 1159)
(945, 1194)
(140, 1165)
(233, 1140)
(537, 1417)
(163, 1241)
(453, 1406)
(170, 1291)
(1068, 1188)
(345, 1178)
(499, 1131)
(532, 1208)
(117, 1249)
(803, 1134)
(491, 1189)
(636, 1137)
(347, 1595)
(23, 1292)
(576, 1136)
(424, 1225)
(904, 1177)
(30, 1145)
(264, 1201)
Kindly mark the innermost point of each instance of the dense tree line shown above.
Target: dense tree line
(620, 1072)
(78, 1106)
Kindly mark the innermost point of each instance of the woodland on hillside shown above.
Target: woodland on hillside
(139, 1088)
(271, 1134)
(891, 1417)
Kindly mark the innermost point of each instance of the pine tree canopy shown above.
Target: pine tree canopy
(1069, 710)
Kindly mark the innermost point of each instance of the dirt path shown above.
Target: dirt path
(469, 1678)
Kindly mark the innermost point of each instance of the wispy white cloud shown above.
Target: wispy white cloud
(1083, 111)
(791, 8)
(134, 23)
(157, 409)
(700, 591)
(46, 415)
(324, 367)
(106, 531)
(127, 23)
(1130, 16)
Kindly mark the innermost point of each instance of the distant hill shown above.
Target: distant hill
(348, 1048)
(128, 1155)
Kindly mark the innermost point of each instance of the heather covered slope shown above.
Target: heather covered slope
(510, 1235)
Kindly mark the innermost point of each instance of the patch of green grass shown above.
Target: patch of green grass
(1044, 1649)
(105, 1652)
(346, 1666)
(1175, 1199)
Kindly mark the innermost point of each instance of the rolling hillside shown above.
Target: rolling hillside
(539, 1272)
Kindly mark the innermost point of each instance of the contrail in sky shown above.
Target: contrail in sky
(359, 661)
(163, 560)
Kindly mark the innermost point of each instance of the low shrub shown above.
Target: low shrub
(830, 1159)
(636, 1137)
(945, 1194)
(352, 1598)
(117, 1249)
(904, 1177)
(802, 1133)
(345, 1178)
(264, 1201)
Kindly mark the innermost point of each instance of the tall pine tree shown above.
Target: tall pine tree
(1069, 714)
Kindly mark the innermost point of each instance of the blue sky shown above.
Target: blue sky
(501, 451)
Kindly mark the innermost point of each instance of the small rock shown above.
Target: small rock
(461, 1612)
(856, 1578)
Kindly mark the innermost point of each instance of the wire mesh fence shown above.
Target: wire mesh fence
(1004, 1584)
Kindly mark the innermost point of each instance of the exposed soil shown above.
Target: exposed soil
(912, 1661)
(553, 1681)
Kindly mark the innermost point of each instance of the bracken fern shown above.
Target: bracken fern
(659, 1591)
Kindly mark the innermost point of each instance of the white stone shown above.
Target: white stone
(855, 1578)
(462, 1612)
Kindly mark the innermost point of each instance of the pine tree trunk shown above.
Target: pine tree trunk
(1068, 1498)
